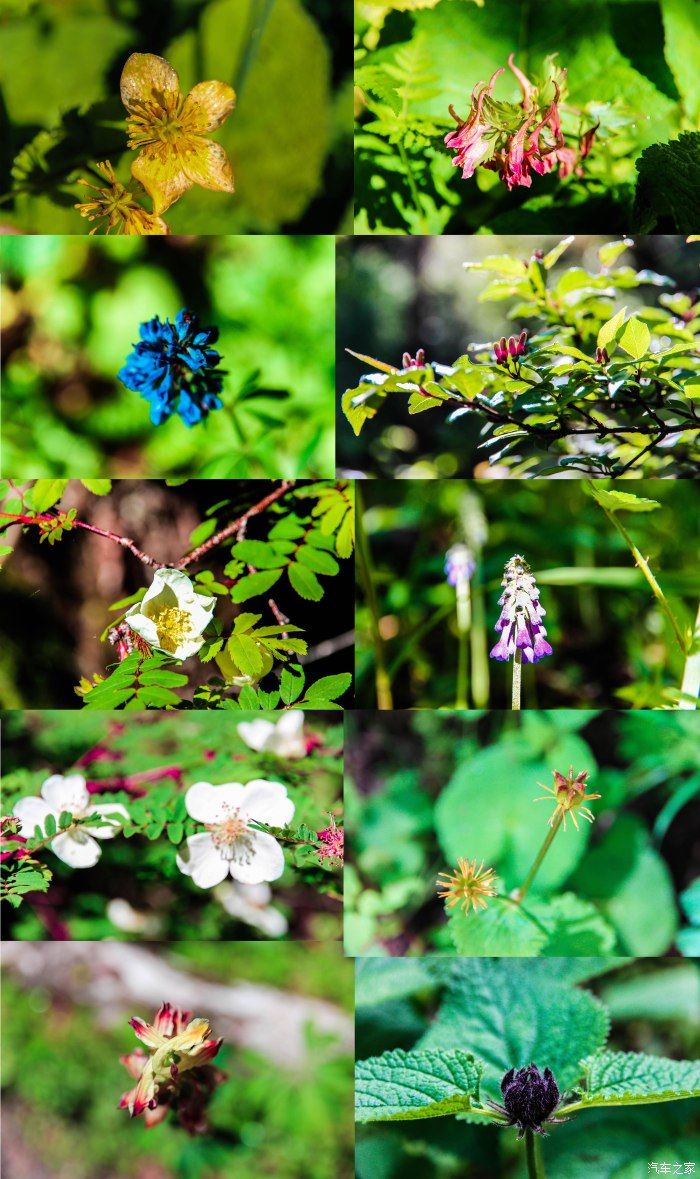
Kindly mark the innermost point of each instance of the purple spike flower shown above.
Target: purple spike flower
(520, 622)
(459, 564)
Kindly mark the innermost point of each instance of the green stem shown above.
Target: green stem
(643, 564)
(533, 1154)
(364, 565)
(537, 863)
(258, 16)
(238, 428)
(690, 685)
(517, 679)
(463, 627)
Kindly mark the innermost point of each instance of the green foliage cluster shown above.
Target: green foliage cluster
(138, 865)
(632, 71)
(617, 637)
(60, 86)
(435, 1039)
(72, 310)
(597, 391)
(61, 1070)
(305, 539)
(439, 787)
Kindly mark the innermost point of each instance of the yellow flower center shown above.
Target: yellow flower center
(229, 834)
(158, 121)
(173, 626)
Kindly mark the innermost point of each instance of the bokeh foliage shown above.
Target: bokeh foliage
(612, 642)
(72, 309)
(288, 139)
(61, 1066)
(424, 790)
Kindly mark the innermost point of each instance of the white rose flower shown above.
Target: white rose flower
(250, 903)
(286, 738)
(172, 616)
(78, 848)
(230, 846)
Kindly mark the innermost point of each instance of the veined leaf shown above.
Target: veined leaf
(633, 1078)
(402, 1086)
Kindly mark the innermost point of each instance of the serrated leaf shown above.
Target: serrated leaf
(97, 486)
(305, 582)
(255, 583)
(609, 330)
(158, 697)
(502, 928)
(330, 687)
(259, 554)
(622, 501)
(403, 1086)
(245, 654)
(292, 683)
(634, 1078)
(317, 559)
(46, 492)
(163, 679)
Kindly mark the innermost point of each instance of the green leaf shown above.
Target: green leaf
(611, 251)
(402, 1086)
(576, 928)
(255, 583)
(292, 683)
(97, 486)
(50, 826)
(330, 687)
(609, 331)
(635, 339)
(692, 390)
(510, 1012)
(552, 256)
(46, 492)
(682, 52)
(379, 979)
(501, 929)
(305, 582)
(668, 184)
(163, 679)
(246, 654)
(65, 819)
(633, 1078)
(317, 559)
(158, 697)
(259, 554)
(202, 532)
(621, 501)
(175, 832)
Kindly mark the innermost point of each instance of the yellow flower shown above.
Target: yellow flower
(169, 130)
(467, 886)
(116, 207)
(570, 794)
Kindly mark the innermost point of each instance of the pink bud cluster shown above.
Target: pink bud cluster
(510, 349)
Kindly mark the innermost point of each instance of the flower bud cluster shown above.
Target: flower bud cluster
(510, 349)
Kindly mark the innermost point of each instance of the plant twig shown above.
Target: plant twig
(235, 525)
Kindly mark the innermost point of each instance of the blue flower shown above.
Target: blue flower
(174, 368)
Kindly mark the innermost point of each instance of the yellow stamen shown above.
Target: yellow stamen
(173, 626)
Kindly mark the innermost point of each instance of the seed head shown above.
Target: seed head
(570, 793)
(467, 886)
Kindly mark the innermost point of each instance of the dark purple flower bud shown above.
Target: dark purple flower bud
(601, 355)
(522, 343)
(530, 1097)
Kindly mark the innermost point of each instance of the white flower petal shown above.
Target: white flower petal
(105, 809)
(257, 858)
(145, 627)
(31, 812)
(255, 733)
(66, 793)
(288, 740)
(267, 802)
(76, 848)
(201, 860)
(187, 648)
(250, 903)
(213, 804)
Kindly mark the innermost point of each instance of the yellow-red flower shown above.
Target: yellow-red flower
(116, 208)
(168, 130)
(468, 885)
(569, 791)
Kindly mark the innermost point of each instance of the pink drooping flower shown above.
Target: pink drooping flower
(332, 840)
(175, 1073)
(517, 139)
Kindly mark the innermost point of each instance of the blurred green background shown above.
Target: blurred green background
(289, 138)
(136, 892)
(62, 1078)
(71, 313)
(612, 643)
(424, 789)
(397, 295)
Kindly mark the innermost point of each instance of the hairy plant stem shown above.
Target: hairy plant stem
(690, 685)
(533, 1154)
(517, 679)
(643, 564)
(365, 569)
(519, 894)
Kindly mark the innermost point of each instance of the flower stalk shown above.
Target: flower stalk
(364, 565)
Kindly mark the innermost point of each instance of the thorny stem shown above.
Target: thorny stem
(364, 565)
(643, 564)
(517, 679)
(533, 1154)
(519, 894)
(690, 685)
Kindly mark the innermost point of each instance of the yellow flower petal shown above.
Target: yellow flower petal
(207, 105)
(145, 78)
(162, 175)
(206, 163)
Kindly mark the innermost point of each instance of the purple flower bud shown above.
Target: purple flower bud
(418, 361)
(522, 343)
(513, 346)
(459, 564)
(529, 1097)
(520, 622)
